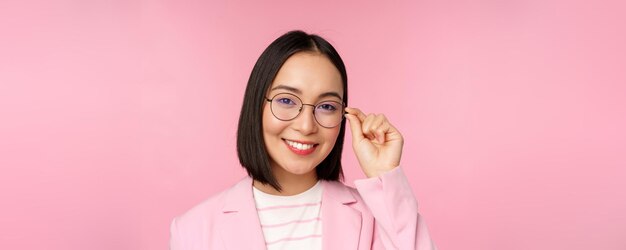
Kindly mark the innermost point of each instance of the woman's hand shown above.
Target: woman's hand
(376, 143)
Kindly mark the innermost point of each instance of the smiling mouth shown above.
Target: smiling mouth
(300, 145)
(301, 148)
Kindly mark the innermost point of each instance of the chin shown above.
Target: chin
(295, 170)
(293, 167)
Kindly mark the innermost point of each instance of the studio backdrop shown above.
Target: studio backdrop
(116, 116)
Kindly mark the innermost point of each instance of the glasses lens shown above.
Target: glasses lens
(329, 114)
(285, 106)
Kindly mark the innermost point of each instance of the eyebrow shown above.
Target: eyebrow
(299, 92)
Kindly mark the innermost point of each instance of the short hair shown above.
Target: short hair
(251, 150)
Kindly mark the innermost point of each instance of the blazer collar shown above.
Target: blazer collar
(240, 196)
(337, 192)
(241, 228)
(341, 223)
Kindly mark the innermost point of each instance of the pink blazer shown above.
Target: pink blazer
(381, 213)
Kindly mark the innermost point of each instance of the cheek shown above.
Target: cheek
(271, 126)
(331, 135)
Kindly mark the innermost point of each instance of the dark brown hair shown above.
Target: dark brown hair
(251, 149)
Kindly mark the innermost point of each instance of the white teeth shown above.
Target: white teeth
(299, 146)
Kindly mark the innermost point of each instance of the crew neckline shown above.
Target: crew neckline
(315, 188)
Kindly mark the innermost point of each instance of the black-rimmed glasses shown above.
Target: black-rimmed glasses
(286, 107)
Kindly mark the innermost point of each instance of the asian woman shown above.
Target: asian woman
(290, 140)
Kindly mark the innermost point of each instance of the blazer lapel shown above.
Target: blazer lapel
(240, 226)
(341, 224)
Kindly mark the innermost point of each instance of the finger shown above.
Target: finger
(376, 121)
(355, 128)
(380, 134)
(391, 132)
(382, 129)
(357, 112)
(369, 124)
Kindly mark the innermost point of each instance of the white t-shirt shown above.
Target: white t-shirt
(291, 222)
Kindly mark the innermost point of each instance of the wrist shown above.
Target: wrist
(378, 172)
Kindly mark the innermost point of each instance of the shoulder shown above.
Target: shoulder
(203, 209)
(199, 226)
(340, 192)
(340, 188)
(204, 213)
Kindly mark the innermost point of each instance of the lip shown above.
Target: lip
(299, 151)
(301, 142)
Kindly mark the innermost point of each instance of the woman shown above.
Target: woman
(290, 139)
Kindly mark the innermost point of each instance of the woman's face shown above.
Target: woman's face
(314, 79)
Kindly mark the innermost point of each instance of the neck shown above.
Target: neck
(290, 184)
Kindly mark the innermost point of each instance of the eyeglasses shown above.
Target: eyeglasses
(286, 107)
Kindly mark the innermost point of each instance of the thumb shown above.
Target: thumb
(355, 128)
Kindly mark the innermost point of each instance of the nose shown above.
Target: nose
(305, 122)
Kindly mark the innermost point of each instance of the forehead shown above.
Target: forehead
(311, 73)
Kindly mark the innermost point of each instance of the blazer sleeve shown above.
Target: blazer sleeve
(175, 243)
(398, 225)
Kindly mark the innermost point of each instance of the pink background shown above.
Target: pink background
(118, 115)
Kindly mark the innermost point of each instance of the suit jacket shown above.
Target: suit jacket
(381, 213)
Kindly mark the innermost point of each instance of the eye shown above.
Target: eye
(285, 101)
(327, 107)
